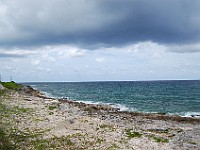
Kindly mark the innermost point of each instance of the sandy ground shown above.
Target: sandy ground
(102, 127)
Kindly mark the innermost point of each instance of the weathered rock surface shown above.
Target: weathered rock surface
(2, 87)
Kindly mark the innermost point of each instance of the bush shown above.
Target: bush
(11, 85)
(132, 134)
(52, 107)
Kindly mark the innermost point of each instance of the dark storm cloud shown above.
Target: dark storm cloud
(94, 23)
(168, 22)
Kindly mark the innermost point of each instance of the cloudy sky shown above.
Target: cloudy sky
(95, 40)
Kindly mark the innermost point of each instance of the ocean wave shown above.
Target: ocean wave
(191, 114)
(123, 107)
(120, 106)
(88, 102)
(186, 114)
(48, 94)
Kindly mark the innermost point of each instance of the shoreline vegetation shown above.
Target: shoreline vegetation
(30, 120)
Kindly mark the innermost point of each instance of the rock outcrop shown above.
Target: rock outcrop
(2, 87)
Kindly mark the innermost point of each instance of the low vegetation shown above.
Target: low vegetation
(1, 92)
(113, 147)
(52, 107)
(11, 85)
(160, 140)
(10, 136)
(14, 136)
(107, 127)
(133, 134)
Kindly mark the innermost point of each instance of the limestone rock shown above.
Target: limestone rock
(2, 87)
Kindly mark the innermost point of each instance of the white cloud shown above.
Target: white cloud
(16, 53)
(7, 68)
(67, 51)
(138, 61)
(45, 69)
(100, 59)
(35, 62)
(75, 53)
(48, 58)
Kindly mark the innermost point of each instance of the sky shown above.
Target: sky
(99, 40)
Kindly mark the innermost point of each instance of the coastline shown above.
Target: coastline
(94, 126)
(144, 97)
(102, 108)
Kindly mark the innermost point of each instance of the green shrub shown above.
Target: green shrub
(11, 85)
(132, 134)
(51, 113)
(52, 107)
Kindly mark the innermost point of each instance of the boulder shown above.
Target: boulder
(2, 87)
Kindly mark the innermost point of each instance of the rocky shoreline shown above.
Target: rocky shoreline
(108, 108)
(91, 126)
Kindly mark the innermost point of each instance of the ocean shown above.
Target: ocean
(180, 97)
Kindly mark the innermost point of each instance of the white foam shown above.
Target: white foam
(191, 114)
(48, 94)
(120, 106)
(88, 102)
(187, 114)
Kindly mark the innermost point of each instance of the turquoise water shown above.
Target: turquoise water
(171, 97)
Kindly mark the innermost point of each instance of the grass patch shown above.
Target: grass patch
(133, 134)
(113, 146)
(5, 143)
(51, 113)
(11, 85)
(21, 110)
(100, 140)
(52, 107)
(106, 126)
(1, 92)
(160, 130)
(11, 137)
(17, 139)
(160, 140)
(38, 119)
(192, 142)
(6, 111)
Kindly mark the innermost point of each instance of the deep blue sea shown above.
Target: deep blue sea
(171, 97)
